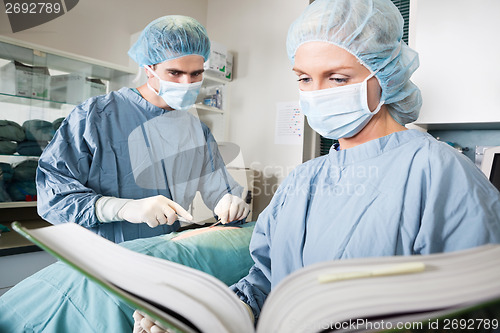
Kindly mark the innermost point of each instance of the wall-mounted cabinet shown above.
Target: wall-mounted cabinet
(459, 72)
(38, 88)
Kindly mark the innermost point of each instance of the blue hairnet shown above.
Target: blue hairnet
(372, 31)
(170, 37)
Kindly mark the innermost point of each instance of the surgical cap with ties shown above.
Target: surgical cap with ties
(170, 37)
(372, 31)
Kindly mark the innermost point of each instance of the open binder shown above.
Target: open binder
(363, 293)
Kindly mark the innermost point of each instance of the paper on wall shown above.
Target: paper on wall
(289, 124)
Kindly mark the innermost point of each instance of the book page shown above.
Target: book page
(199, 301)
(450, 280)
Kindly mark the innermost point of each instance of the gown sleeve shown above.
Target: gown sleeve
(63, 169)
(461, 208)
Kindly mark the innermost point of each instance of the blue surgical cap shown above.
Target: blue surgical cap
(170, 37)
(372, 31)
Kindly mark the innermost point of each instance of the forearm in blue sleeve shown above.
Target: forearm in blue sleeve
(63, 171)
(62, 199)
(253, 290)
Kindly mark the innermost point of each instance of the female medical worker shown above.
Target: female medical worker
(125, 164)
(385, 190)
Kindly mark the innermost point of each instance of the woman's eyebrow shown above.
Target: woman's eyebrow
(328, 70)
(295, 69)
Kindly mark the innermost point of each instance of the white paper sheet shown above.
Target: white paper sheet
(289, 124)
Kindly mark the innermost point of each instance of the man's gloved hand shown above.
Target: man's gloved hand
(231, 208)
(153, 211)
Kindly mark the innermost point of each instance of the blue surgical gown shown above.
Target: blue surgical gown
(402, 194)
(121, 145)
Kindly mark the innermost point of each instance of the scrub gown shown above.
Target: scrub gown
(402, 194)
(121, 145)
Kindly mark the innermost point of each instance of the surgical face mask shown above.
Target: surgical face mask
(179, 96)
(339, 112)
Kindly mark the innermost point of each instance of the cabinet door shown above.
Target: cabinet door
(38, 90)
(458, 50)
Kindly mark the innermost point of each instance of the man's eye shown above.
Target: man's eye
(175, 73)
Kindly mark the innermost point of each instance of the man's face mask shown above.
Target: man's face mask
(179, 96)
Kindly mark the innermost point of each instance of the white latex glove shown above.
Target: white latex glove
(231, 208)
(143, 324)
(153, 211)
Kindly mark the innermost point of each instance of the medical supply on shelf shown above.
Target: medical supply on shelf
(75, 88)
(23, 80)
(214, 100)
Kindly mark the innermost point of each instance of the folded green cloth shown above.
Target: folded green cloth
(12, 131)
(8, 147)
(38, 130)
(7, 171)
(31, 148)
(57, 123)
(25, 171)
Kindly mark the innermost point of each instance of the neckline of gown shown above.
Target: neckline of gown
(373, 148)
(141, 101)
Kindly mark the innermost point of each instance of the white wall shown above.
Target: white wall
(101, 29)
(255, 31)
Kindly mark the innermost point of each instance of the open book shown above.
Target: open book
(354, 294)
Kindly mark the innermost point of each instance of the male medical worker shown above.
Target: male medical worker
(126, 165)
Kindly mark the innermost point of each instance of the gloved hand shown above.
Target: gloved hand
(143, 324)
(153, 211)
(231, 208)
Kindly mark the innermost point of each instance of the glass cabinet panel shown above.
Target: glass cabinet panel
(38, 89)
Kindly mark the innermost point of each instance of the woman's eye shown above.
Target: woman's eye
(304, 79)
(339, 80)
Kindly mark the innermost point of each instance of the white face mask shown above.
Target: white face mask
(339, 112)
(179, 96)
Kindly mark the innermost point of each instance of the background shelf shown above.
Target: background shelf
(204, 107)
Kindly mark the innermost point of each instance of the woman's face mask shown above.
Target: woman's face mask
(179, 96)
(334, 90)
(340, 112)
